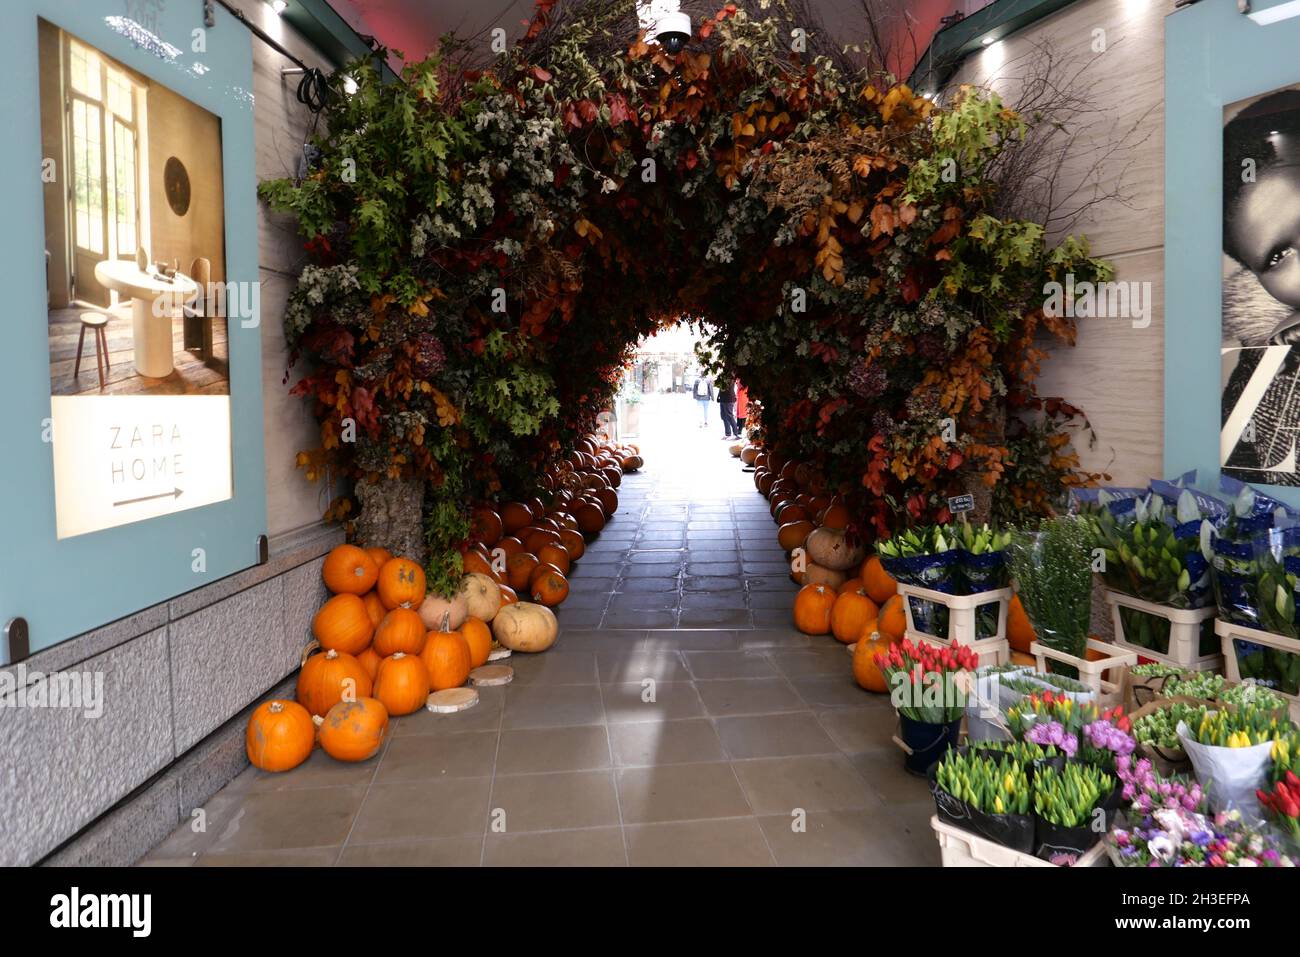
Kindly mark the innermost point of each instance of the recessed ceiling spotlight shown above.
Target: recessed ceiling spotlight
(987, 40)
(279, 6)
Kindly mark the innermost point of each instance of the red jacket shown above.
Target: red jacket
(742, 401)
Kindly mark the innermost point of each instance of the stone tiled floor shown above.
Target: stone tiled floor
(679, 720)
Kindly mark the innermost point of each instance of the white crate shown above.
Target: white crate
(1090, 672)
(961, 848)
(994, 650)
(1227, 632)
(1184, 632)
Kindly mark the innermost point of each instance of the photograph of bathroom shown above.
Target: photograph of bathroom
(134, 229)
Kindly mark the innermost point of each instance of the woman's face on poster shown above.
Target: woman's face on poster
(1266, 231)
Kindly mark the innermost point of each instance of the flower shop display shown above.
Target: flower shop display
(1231, 752)
(1052, 570)
(1073, 808)
(987, 793)
(1143, 683)
(987, 699)
(928, 688)
(1282, 805)
(1155, 728)
(1167, 824)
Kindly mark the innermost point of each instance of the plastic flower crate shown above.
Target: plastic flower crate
(1185, 626)
(1230, 634)
(962, 621)
(960, 848)
(1090, 672)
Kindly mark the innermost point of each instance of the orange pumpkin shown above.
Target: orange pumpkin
(835, 516)
(853, 584)
(354, 730)
(486, 526)
(812, 609)
(850, 614)
(892, 619)
(554, 555)
(342, 624)
(792, 512)
(348, 570)
(474, 562)
(508, 595)
(792, 535)
(401, 584)
(379, 556)
(402, 683)
(519, 570)
(510, 545)
(478, 636)
(374, 607)
(327, 679)
(573, 543)
(401, 630)
(1020, 658)
(279, 736)
(880, 584)
(865, 670)
(548, 586)
(535, 538)
(446, 658)
(514, 516)
(591, 517)
(369, 659)
(1020, 630)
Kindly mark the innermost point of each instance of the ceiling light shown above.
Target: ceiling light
(1283, 11)
(987, 40)
(279, 6)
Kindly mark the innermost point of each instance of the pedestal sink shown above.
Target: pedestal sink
(151, 335)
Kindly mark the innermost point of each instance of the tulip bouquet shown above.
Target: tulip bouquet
(1026, 752)
(1283, 804)
(1252, 695)
(928, 684)
(1159, 728)
(1243, 728)
(1054, 573)
(1068, 797)
(1045, 706)
(1156, 669)
(990, 785)
(1205, 685)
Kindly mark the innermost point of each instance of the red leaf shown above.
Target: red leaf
(541, 75)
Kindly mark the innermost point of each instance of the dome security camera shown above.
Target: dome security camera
(673, 31)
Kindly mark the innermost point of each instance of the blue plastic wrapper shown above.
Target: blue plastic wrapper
(1234, 582)
(934, 572)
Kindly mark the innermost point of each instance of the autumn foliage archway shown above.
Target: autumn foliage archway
(487, 247)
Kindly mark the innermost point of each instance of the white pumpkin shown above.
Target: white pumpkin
(482, 595)
(525, 626)
(438, 613)
(830, 548)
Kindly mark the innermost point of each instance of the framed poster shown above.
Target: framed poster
(1232, 244)
(132, 358)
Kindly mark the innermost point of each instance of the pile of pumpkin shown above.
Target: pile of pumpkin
(846, 592)
(528, 548)
(382, 646)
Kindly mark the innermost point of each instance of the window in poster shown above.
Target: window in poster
(1261, 289)
(136, 291)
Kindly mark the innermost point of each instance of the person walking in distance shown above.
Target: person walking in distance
(742, 407)
(703, 392)
(727, 399)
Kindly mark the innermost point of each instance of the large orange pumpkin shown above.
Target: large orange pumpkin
(486, 526)
(379, 555)
(508, 596)
(401, 584)
(348, 570)
(535, 538)
(447, 659)
(354, 730)
(279, 736)
(519, 570)
(343, 624)
(478, 636)
(1020, 630)
(475, 564)
(880, 584)
(508, 546)
(812, 609)
(573, 543)
(853, 584)
(892, 619)
(401, 630)
(514, 516)
(792, 535)
(835, 516)
(369, 659)
(402, 683)
(327, 679)
(865, 670)
(554, 555)
(548, 586)
(850, 614)
(374, 607)
(591, 518)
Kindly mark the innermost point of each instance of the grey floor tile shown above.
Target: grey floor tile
(712, 665)
(813, 783)
(588, 847)
(665, 742)
(538, 706)
(681, 792)
(447, 852)
(288, 819)
(579, 748)
(845, 838)
(749, 696)
(656, 701)
(773, 735)
(635, 666)
(450, 807)
(545, 802)
(729, 842)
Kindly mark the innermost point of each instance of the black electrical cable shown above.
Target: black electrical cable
(313, 90)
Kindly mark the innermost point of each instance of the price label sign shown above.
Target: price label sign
(961, 503)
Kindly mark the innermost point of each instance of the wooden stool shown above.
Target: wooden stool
(96, 322)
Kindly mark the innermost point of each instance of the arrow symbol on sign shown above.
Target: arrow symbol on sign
(174, 493)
